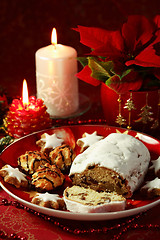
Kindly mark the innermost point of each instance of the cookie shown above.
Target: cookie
(31, 160)
(49, 142)
(151, 188)
(62, 157)
(47, 178)
(14, 176)
(87, 140)
(49, 200)
(156, 167)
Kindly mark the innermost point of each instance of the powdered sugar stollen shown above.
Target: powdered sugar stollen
(121, 153)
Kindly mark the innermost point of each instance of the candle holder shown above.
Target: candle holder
(23, 119)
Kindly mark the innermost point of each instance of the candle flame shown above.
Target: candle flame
(54, 37)
(25, 96)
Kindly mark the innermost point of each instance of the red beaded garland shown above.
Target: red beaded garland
(4, 235)
(123, 227)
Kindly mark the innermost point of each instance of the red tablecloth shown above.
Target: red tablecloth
(30, 226)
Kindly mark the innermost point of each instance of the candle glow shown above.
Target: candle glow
(25, 95)
(54, 37)
(26, 115)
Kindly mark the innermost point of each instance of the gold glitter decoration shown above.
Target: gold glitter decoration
(120, 120)
(145, 114)
(130, 106)
(156, 123)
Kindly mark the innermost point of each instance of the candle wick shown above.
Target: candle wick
(54, 45)
(25, 106)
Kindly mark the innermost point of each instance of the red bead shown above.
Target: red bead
(32, 99)
(105, 229)
(76, 231)
(5, 202)
(66, 229)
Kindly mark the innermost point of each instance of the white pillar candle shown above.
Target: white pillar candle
(57, 85)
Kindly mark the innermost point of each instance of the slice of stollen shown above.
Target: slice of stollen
(86, 200)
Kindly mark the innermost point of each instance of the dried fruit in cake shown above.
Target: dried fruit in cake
(14, 176)
(86, 200)
(62, 157)
(87, 140)
(31, 160)
(47, 178)
(49, 200)
(117, 163)
(151, 188)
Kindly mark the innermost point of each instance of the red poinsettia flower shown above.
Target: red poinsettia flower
(103, 42)
(135, 48)
(85, 75)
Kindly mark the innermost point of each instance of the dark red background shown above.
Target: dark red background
(25, 26)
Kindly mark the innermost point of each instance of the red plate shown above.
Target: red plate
(135, 205)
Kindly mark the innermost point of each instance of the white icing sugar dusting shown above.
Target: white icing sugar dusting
(154, 184)
(155, 165)
(47, 197)
(120, 152)
(51, 141)
(89, 139)
(74, 206)
(14, 172)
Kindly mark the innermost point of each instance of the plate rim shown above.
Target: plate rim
(81, 216)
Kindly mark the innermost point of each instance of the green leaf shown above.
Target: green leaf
(5, 141)
(125, 73)
(83, 61)
(112, 81)
(100, 70)
(128, 82)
